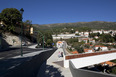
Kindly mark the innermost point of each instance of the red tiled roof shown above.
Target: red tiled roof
(86, 50)
(99, 46)
(85, 39)
(74, 52)
(59, 42)
(108, 63)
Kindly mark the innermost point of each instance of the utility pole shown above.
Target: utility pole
(21, 10)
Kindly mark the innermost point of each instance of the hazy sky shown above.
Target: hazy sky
(63, 11)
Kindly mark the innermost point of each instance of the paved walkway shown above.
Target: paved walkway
(53, 67)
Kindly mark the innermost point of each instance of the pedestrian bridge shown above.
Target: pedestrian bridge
(87, 59)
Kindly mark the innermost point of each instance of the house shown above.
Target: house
(59, 44)
(106, 32)
(97, 31)
(81, 33)
(75, 52)
(76, 32)
(85, 40)
(86, 34)
(111, 64)
(96, 37)
(88, 50)
(91, 41)
(63, 36)
(102, 48)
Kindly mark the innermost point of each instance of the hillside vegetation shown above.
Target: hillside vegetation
(81, 26)
(92, 25)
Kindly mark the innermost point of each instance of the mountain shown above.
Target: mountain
(92, 25)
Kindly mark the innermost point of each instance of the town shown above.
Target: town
(94, 41)
(88, 42)
(58, 38)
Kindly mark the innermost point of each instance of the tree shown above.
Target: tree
(40, 39)
(106, 38)
(114, 37)
(79, 48)
(10, 17)
(72, 40)
(49, 42)
(87, 46)
(113, 70)
(27, 25)
(48, 38)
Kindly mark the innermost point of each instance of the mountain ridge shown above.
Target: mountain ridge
(92, 25)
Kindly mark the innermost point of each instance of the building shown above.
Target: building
(86, 34)
(91, 41)
(86, 40)
(96, 37)
(97, 31)
(102, 48)
(75, 52)
(111, 64)
(76, 32)
(63, 36)
(59, 44)
(88, 50)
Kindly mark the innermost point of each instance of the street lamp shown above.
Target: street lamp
(1, 24)
(21, 11)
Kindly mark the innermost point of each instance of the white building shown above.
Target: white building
(96, 37)
(76, 32)
(88, 50)
(86, 34)
(63, 36)
(97, 31)
(106, 32)
(59, 44)
(103, 48)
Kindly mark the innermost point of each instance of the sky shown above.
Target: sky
(63, 11)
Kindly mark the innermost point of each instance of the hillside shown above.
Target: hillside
(92, 25)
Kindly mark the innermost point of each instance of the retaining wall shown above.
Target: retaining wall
(30, 67)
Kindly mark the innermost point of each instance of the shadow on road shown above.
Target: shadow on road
(49, 71)
(8, 64)
(60, 63)
(8, 49)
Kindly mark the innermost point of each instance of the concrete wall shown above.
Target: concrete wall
(91, 60)
(30, 67)
(66, 63)
(86, 73)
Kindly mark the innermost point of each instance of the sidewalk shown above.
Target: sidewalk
(53, 67)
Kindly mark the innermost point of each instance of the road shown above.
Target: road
(15, 51)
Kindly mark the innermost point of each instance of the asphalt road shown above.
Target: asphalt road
(15, 51)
